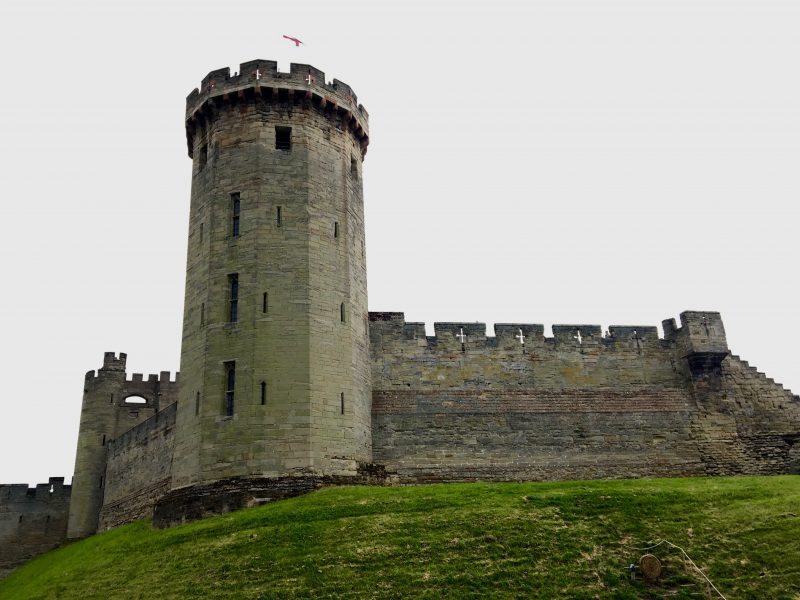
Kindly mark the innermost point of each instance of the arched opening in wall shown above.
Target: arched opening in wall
(135, 400)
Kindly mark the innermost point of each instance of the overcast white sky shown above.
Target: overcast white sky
(539, 161)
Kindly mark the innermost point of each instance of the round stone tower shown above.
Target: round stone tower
(275, 377)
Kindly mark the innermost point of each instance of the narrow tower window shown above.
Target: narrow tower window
(197, 404)
(203, 158)
(235, 210)
(102, 479)
(353, 168)
(230, 386)
(336, 229)
(283, 138)
(201, 233)
(103, 443)
(233, 286)
(202, 314)
(342, 314)
(263, 393)
(341, 402)
(278, 217)
(265, 303)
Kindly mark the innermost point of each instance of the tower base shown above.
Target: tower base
(194, 502)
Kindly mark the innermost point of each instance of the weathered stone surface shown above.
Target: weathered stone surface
(326, 393)
(745, 422)
(306, 340)
(139, 469)
(32, 521)
(464, 406)
(106, 413)
(224, 495)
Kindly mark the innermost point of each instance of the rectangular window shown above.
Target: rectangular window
(203, 158)
(265, 303)
(201, 233)
(341, 402)
(283, 138)
(202, 314)
(233, 293)
(235, 210)
(230, 386)
(342, 313)
(353, 168)
(197, 404)
(336, 229)
(263, 393)
(278, 217)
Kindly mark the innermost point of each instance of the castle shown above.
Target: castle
(288, 383)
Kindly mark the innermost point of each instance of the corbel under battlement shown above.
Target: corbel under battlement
(261, 78)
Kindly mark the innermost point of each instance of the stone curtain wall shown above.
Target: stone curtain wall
(624, 404)
(464, 406)
(510, 435)
(746, 423)
(32, 521)
(138, 470)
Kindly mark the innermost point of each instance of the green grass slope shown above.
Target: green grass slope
(537, 540)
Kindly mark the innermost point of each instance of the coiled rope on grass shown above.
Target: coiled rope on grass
(699, 570)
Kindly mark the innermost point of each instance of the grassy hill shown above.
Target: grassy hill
(537, 540)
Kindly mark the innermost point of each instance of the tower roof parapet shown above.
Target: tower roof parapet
(262, 78)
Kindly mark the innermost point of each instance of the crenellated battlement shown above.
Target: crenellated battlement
(114, 364)
(261, 79)
(15, 493)
(391, 326)
(162, 377)
(33, 520)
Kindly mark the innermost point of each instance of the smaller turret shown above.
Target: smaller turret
(700, 340)
(112, 404)
(113, 363)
